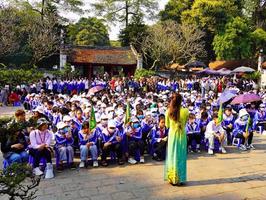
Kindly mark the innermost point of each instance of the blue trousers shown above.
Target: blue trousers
(18, 158)
(84, 152)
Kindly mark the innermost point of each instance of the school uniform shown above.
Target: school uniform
(212, 128)
(115, 145)
(64, 146)
(84, 150)
(227, 121)
(193, 133)
(259, 120)
(240, 127)
(158, 145)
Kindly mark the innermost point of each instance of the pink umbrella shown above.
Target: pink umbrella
(95, 89)
(246, 98)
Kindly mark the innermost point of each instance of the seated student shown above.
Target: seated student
(119, 119)
(64, 140)
(13, 145)
(87, 141)
(135, 142)
(242, 130)
(228, 123)
(203, 122)
(159, 139)
(193, 132)
(140, 115)
(147, 124)
(259, 120)
(74, 131)
(79, 118)
(214, 130)
(111, 141)
(40, 140)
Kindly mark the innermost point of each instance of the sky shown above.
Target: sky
(113, 29)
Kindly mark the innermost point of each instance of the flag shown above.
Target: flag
(247, 127)
(220, 114)
(92, 119)
(127, 117)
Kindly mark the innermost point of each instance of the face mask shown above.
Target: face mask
(190, 108)
(66, 129)
(208, 107)
(104, 123)
(140, 117)
(136, 125)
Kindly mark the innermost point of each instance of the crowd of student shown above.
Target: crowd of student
(61, 121)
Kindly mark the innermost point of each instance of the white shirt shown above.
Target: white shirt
(212, 128)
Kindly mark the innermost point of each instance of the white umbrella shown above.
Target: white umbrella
(243, 69)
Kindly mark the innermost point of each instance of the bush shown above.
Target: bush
(255, 76)
(140, 73)
(14, 77)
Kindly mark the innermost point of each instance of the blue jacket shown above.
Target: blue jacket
(192, 128)
(92, 138)
(240, 127)
(136, 134)
(108, 137)
(156, 134)
(62, 141)
(227, 121)
(259, 117)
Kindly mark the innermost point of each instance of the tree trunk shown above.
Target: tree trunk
(42, 9)
(127, 6)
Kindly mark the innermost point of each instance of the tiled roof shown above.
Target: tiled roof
(101, 55)
(232, 64)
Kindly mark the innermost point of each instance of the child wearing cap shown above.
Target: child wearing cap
(87, 141)
(64, 142)
(243, 130)
(40, 140)
(159, 137)
(111, 141)
(135, 142)
(193, 132)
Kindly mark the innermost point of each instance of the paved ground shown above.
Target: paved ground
(236, 175)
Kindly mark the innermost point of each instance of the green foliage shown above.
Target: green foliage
(4, 120)
(88, 31)
(14, 77)
(255, 76)
(134, 34)
(140, 73)
(174, 8)
(234, 42)
(259, 38)
(211, 15)
(18, 181)
(122, 10)
(115, 43)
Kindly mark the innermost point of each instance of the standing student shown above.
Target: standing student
(176, 160)
(40, 140)
(159, 139)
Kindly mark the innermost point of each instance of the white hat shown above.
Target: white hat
(67, 118)
(243, 112)
(98, 117)
(61, 125)
(104, 116)
(87, 110)
(103, 105)
(111, 124)
(154, 110)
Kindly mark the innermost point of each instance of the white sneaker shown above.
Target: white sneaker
(49, 173)
(264, 133)
(251, 147)
(82, 164)
(210, 151)
(243, 147)
(223, 150)
(142, 160)
(37, 171)
(132, 161)
(95, 163)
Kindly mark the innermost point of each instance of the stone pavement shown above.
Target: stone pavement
(236, 175)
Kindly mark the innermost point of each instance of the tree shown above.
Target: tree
(133, 34)
(9, 34)
(122, 10)
(168, 42)
(88, 31)
(259, 38)
(174, 8)
(234, 42)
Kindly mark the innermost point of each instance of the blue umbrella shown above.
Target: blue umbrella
(226, 96)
